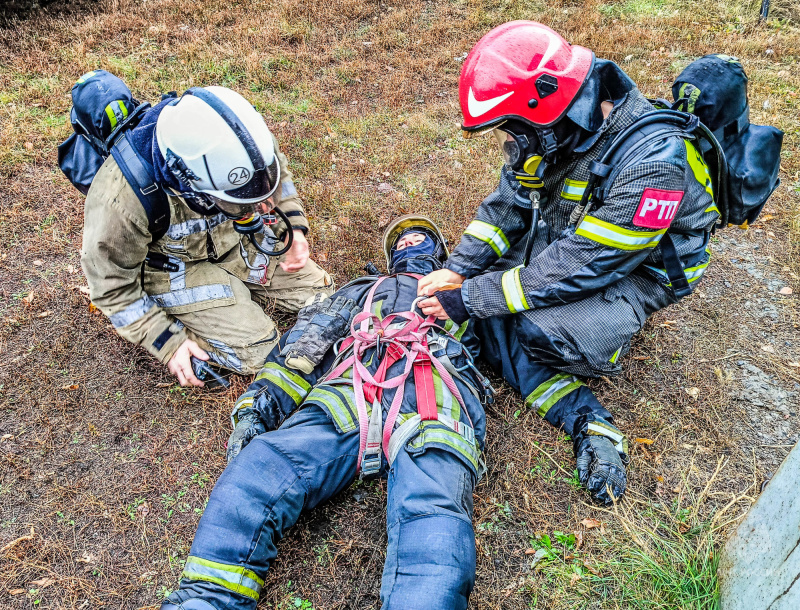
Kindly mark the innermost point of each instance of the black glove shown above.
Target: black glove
(304, 316)
(600, 468)
(330, 322)
(247, 428)
(453, 303)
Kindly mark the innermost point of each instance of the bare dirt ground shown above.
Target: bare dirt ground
(106, 464)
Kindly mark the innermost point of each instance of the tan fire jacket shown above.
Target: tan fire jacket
(116, 242)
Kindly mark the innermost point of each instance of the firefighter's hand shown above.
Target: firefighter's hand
(180, 364)
(431, 282)
(296, 258)
(248, 427)
(432, 307)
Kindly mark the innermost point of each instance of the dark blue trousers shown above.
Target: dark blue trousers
(559, 397)
(430, 558)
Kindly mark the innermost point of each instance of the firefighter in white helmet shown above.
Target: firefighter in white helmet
(196, 288)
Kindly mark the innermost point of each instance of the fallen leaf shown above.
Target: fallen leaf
(38, 263)
(72, 269)
(322, 257)
(766, 217)
(344, 221)
(16, 591)
(385, 187)
(768, 348)
(578, 539)
(575, 578)
(29, 298)
(163, 385)
(591, 569)
(785, 290)
(29, 145)
(693, 392)
(44, 314)
(92, 308)
(7, 437)
(591, 523)
(530, 551)
(43, 582)
(74, 386)
(644, 441)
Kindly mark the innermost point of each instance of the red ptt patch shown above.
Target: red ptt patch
(657, 208)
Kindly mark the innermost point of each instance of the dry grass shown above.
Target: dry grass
(110, 464)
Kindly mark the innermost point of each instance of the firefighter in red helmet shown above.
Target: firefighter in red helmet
(559, 288)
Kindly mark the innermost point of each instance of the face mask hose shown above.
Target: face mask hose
(254, 223)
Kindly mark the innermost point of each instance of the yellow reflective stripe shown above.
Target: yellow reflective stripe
(598, 428)
(86, 77)
(512, 289)
(573, 189)
(245, 400)
(435, 432)
(611, 235)
(112, 117)
(123, 108)
(339, 407)
(234, 578)
(294, 385)
(613, 359)
(700, 171)
(489, 234)
(551, 391)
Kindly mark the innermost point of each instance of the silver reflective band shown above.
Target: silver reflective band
(133, 312)
(193, 295)
(288, 189)
(195, 225)
(404, 432)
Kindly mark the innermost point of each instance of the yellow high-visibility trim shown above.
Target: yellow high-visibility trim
(513, 292)
(489, 234)
(700, 170)
(611, 235)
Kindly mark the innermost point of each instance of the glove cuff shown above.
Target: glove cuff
(600, 427)
(300, 363)
(453, 304)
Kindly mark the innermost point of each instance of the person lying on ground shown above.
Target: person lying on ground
(386, 393)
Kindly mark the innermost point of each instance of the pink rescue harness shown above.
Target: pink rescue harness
(405, 336)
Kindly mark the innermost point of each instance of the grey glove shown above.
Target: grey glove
(330, 322)
(600, 468)
(304, 316)
(247, 428)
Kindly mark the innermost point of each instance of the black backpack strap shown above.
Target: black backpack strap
(674, 268)
(139, 174)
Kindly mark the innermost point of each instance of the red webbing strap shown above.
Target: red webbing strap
(423, 384)
(393, 353)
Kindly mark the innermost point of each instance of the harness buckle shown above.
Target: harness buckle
(371, 462)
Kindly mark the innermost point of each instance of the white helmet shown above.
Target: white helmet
(215, 142)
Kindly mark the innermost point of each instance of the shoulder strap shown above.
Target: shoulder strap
(139, 173)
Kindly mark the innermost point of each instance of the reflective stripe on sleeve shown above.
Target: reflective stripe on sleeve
(608, 234)
(237, 579)
(573, 189)
(512, 290)
(295, 386)
(133, 312)
(551, 391)
(489, 234)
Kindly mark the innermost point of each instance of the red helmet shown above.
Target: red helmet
(521, 70)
